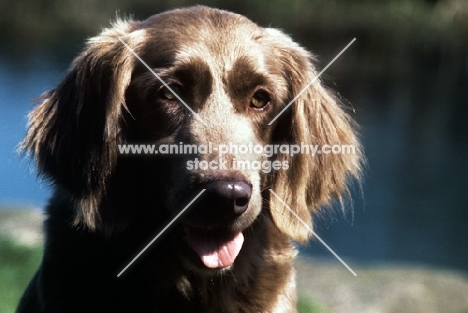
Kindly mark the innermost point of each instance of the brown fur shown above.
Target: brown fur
(107, 206)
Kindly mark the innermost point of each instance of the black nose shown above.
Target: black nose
(228, 198)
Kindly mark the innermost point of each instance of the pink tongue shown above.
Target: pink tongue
(216, 253)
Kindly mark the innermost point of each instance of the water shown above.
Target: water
(20, 84)
(415, 201)
(415, 205)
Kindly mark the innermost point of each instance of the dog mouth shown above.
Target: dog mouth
(217, 249)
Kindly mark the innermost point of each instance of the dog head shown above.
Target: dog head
(235, 78)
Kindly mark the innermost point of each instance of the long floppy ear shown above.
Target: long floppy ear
(74, 132)
(315, 118)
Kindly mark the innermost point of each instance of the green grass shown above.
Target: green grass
(306, 305)
(18, 264)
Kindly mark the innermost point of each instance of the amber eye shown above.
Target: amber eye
(259, 100)
(168, 95)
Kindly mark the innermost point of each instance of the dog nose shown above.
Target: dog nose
(232, 197)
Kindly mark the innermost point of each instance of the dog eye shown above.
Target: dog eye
(168, 95)
(259, 100)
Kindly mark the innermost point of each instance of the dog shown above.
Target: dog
(199, 77)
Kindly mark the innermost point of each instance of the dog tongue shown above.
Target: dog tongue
(216, 253)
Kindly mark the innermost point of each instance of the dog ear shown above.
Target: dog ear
(73, 133)
(315, 118)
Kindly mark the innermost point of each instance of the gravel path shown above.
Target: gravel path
(382, 289)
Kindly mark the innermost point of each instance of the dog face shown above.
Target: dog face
(235, 87)
(236, 77)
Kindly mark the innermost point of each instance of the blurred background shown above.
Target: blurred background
(406, 77)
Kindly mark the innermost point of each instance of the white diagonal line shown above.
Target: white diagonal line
(311, 82)
(161, 80)
(319, 239)
(160, 233)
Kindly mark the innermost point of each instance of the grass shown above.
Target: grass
(18, 264)
(306, 305)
